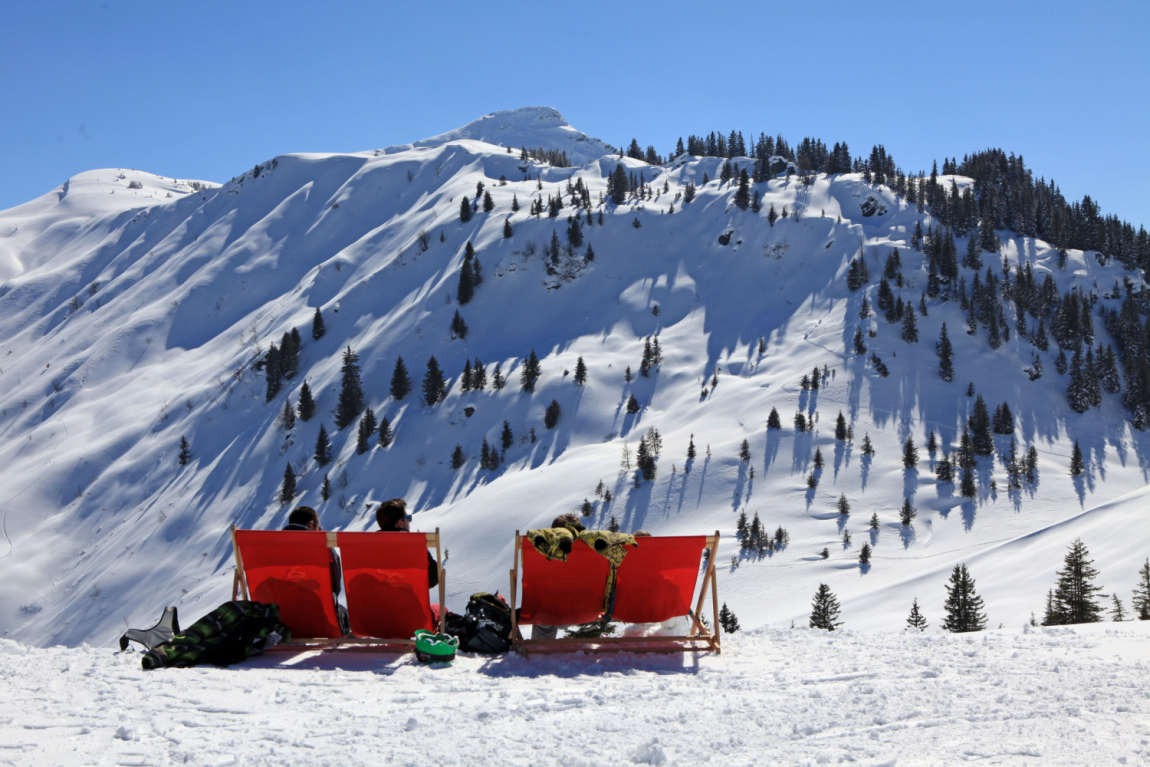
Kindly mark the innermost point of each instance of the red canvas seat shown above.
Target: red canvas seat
(655, 582)
(559, 593)
(293, 570)
(386, 577)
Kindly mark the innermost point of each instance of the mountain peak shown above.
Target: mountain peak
(534, 127)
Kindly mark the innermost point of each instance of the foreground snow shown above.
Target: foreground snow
(1024, 696)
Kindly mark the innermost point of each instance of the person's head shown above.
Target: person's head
(392, 516)
(568, 522)
(305, 516)
(642, 534)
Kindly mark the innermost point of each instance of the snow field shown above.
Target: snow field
(1075, 695)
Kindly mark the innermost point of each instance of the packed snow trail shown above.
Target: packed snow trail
(1069, 695)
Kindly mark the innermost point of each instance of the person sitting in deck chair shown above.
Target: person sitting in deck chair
(563, 522)
(392, 517)
(306, 518)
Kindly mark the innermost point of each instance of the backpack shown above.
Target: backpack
(485, 626)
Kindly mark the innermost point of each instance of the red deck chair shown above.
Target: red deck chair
(655, 583)
(292, 569)
(385, 576)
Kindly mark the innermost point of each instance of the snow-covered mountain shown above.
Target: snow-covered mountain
(137, 310)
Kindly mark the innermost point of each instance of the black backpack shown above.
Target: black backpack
(485, 626)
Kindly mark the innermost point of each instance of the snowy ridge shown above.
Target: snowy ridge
(130, 321)
(531, 127)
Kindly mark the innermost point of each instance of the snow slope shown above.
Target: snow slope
(1059, 696)
(530, 127)
(129, 319)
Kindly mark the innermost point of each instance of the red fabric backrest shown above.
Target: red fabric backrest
(559, 593)
(386, 578)
(291, 568)
(657, 580)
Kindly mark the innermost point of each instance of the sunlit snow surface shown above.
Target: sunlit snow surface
(1066, 696)
(130, 318)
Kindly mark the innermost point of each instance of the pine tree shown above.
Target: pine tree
(825, 609)
(1140, 601)
(434, 385)
(272, 372)
(844, 505)
(841, 428)
(465, 209)
(907, 513)
(772, 216)
(306, 407)
(317, 328)
(981, 432)
(691, 449)
(632, 404)
(916, 620)
(945, 356)
(818, 461)
(287, 415)
(727, 618)
(363, 438)
(488, 203)
(963, 605)
(457, 457)
(773, 421)
(745, 451)
(580, 372)
(350, 403)
(551, 416)
(385, 435)
(867, 447)
(874, 523)
(1117, 612)
(400, 380)
(322, 447)
(1076, 390)
(287, 489)
(289, 355)
(1075, 590)
(1076, 463)
(185, 452)
(458, 326)
(325, 488)
(909, 454)
(909, 328)
(968, 489)
(864, 554)
(466, 287)
(530, 374)
(613, 524)
(743, 195)
(859, 343)
(944, 472)
(506, 437)
(497, 380)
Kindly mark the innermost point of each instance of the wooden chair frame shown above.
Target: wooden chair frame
(240, 586)
(698, 638)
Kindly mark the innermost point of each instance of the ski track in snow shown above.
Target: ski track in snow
(1071, 695)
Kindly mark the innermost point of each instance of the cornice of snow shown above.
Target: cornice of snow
(532, 127)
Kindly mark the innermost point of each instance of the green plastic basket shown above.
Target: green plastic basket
(435, 648)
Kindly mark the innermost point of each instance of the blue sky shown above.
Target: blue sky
(208, 89)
